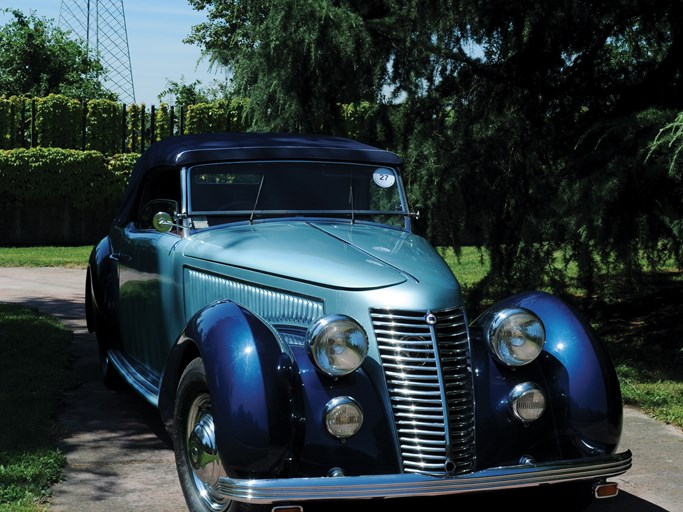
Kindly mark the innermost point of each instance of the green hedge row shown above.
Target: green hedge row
(106, 126)
(83, 178)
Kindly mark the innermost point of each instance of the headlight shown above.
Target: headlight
(516, 336)
(343, 417)
(337, 345)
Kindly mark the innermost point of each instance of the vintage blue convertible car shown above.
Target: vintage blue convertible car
(302, 344)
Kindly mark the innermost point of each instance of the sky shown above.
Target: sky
(156, 29)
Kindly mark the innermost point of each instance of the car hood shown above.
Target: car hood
(342, 256)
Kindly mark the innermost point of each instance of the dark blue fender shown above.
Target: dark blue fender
(99, 284)
(251, 381)
(585, 409)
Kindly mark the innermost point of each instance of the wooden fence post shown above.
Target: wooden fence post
(152, 125)
(142, 129)
(123, 128)
(84, 124)
(22, 124)
(34, 136)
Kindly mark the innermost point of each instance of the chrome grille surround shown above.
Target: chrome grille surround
(428, 370)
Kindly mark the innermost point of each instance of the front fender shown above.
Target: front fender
(582, 385)
(251, 377)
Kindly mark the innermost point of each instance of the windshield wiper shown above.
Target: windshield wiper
(258, 195)
(353, 214)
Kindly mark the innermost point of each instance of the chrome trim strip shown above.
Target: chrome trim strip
(143, 382)
(415, 485)
(277, 307)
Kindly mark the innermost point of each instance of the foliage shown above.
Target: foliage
(136, 116)
(30, 462)
(181, 93)
(525, 125)
(163, 123)
(298, 61)
(215, 117)
(83, 178)
(37, 59)
(114, 179)
(104, 126)
(58, 119)
(10, 120)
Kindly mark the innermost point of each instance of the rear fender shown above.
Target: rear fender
(98, 283)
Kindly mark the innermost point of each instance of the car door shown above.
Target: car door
(149, 297)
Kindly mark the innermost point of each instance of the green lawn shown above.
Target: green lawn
(35, 357)
(50, 256)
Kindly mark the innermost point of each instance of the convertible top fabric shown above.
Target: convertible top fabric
(182, 150)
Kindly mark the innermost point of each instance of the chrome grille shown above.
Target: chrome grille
(426, 360)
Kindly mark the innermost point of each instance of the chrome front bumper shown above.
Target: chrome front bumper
(411, 485)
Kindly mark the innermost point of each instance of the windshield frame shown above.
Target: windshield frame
(255, 211)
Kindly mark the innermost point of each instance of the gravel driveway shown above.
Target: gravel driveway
(119, 457)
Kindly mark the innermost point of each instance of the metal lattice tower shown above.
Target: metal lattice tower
(101, 24)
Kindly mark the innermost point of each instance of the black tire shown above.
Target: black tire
(197, 461)
(110, 376)
(106, 339)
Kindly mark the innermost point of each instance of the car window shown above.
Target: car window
(269, 189)
(159, 188)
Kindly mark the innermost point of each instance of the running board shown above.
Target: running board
(142, 381)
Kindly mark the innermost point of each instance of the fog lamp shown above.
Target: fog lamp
(527, 402)
(343, 417)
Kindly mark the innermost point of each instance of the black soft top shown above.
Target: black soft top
(185, 150)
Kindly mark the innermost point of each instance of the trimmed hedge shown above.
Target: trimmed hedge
(60, 196)
(85, 178)
(106, 126)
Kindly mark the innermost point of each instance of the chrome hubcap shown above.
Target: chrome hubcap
(202, 453)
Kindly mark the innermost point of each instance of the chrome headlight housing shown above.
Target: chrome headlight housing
(343, 417)
(527, 402)
(516, 336)
(337, 344)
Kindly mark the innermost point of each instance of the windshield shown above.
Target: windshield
(233, 191)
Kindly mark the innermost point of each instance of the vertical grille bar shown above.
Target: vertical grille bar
(424, 362)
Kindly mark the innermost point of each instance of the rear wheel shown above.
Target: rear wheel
(106, 339)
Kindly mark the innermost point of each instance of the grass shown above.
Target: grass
(49, 256)
(641, 329)
(31, 345)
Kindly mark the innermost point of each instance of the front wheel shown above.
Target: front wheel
(194, 438)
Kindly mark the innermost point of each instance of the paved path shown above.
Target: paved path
(119, 458)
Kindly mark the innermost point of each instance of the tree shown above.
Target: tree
(298, 61)
(183, 93)
(525, 125)
(542, 113)
(37, 59)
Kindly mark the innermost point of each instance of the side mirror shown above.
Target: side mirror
(159, 214)
(162, 222)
